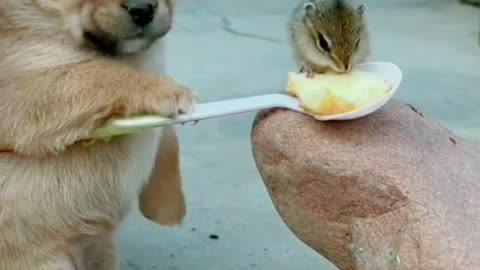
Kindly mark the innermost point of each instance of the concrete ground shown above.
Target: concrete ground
(225, 49)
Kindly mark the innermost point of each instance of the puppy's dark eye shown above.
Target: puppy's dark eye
(322, 43)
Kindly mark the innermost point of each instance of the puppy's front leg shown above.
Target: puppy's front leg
(162, 199)
(45, 111)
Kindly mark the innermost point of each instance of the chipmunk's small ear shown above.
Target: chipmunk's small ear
(309, 7)
(361, 9)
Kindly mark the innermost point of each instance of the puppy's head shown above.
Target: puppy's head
(114, 27)
(123, 26)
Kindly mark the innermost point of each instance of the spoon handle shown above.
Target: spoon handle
(119, 126)
(239, 105)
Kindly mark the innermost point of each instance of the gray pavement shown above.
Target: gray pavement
(225, 49)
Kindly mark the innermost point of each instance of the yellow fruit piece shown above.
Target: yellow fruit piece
(330, 93)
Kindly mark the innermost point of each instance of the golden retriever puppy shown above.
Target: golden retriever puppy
(66, 66)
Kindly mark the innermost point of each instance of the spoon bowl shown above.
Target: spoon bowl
(386, 71)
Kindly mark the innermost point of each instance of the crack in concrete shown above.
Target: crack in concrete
(226, 26)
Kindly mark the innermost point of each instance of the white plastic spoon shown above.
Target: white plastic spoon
(120, 126)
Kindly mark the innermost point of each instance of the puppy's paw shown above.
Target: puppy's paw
(160, 97)
(164, 212)
(162, 200)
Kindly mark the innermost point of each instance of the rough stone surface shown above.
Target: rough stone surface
(393, 190)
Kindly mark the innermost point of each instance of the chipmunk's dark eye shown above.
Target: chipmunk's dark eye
(322, 43)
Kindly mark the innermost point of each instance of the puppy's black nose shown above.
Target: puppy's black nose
(141, 13)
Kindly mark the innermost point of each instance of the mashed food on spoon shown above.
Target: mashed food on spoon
(330, 93)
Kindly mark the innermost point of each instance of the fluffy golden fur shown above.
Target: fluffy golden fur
(66, 66)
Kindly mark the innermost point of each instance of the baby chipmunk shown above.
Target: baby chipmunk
(328, 35)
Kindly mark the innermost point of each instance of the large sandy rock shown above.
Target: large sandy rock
(393, 190)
